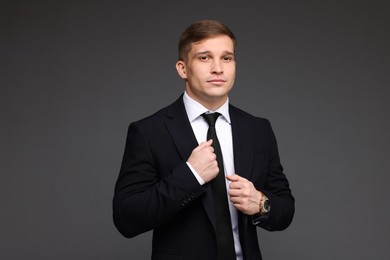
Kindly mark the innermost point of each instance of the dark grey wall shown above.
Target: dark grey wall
(74, 74)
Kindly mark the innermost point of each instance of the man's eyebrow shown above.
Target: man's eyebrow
(202, 52)
(229, 53)
(208, 52)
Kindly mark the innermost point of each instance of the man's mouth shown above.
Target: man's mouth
(216, 81)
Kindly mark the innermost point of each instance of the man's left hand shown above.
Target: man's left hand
(244, 195)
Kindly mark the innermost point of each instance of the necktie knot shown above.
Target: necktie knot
(211, 118)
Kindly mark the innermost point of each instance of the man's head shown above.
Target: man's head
(199, 31)
(207, 62)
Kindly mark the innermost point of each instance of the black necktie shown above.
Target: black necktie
(223, 224)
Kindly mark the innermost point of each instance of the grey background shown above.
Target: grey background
(74, 74)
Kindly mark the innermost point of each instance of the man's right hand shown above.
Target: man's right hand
(204, 161)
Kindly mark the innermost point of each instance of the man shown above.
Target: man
(179, 161)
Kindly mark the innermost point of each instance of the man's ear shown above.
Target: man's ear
(181, 69)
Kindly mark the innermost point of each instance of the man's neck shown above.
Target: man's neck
(212, 103)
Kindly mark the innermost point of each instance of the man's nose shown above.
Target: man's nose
(217, 67)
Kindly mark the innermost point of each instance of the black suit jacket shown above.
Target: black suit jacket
(156, 189)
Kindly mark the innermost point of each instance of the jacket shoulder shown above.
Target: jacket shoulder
(239, 113)
(171, 110)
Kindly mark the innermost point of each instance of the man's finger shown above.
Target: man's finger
(235, 185)
(234, 193)
(204, 144)
(234, 178)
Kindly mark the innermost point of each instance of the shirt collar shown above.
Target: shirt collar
(195, 109)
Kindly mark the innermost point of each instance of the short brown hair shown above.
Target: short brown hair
(199, 31)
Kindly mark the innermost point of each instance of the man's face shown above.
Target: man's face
(209, 70)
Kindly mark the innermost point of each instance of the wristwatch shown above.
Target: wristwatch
(262, 215)
(264, 205)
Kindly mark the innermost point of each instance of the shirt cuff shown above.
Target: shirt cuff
(200, 180)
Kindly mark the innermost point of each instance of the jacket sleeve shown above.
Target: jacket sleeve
(276, 188)
(145, 197)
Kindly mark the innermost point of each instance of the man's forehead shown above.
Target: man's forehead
(214, 44)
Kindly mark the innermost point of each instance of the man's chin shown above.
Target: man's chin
(216, 97)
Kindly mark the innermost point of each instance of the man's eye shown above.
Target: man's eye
(203, 58)
(227, 58)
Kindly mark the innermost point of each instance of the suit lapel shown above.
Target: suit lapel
(242, 143)
(180, 129)
(185, 141)
(243, 159)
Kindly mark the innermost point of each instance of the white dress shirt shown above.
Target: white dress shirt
(224, 132)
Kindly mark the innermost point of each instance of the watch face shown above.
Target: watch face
(267, 206)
